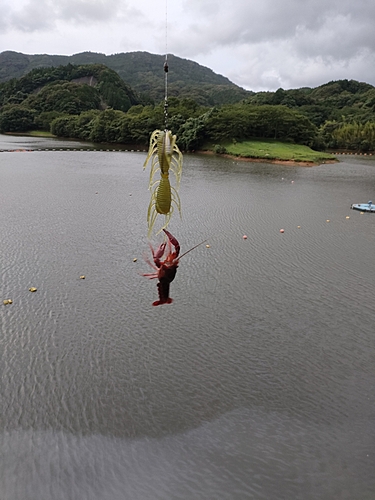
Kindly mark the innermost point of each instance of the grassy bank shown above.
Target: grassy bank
(271, 150)
(32, 133)
(39, 133)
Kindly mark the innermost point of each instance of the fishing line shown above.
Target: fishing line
(166, 68)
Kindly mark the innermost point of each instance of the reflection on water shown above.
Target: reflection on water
(247, 453)
(256, 382)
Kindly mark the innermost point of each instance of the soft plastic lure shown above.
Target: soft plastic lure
(166, 157)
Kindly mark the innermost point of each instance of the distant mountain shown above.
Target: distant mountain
(142, 71)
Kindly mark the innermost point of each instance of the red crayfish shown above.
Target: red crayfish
(165, 269)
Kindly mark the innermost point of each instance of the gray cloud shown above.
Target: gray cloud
(253, 22)
(39, 15)
(4, 14)
(295, 42)
(267, 67)
(340, 37)
(33, 16)
(87, 10)
(258, 45)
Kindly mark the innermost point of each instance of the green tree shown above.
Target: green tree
(65, 126)
(112, 93)
(192, 133)
(17, 119)
(43, 120)
(106, 126)
(65, 97)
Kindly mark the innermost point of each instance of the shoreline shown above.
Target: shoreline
(266, 160)
(119, 147)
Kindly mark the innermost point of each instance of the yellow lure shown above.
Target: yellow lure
(166, 157)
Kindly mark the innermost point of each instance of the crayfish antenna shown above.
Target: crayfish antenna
(195, 246)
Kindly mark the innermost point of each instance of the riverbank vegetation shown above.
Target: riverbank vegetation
(91, 102)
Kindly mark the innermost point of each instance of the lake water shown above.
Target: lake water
(258, 382)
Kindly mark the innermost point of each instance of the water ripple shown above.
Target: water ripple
(256, 380)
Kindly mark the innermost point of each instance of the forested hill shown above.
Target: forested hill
(93, 102)
(68, 89)
(142, 71)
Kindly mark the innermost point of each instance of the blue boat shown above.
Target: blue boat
(363, 207)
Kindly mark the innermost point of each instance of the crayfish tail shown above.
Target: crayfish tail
(161, 302)
(163, 290)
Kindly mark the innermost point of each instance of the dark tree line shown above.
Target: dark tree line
(91, 102)
(353, 136)
(193, 128)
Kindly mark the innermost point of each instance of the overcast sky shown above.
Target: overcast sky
(257, 44)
